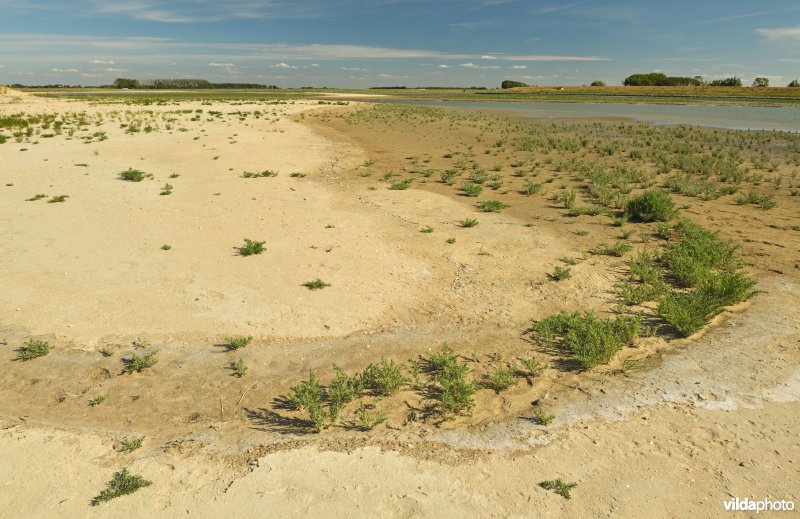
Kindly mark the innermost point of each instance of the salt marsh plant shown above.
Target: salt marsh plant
(384, 378)
(560, 273)
(99, 399)
(166, 190)
(121, 484)
(129, 445)
(260, 174)
(239, 368)
(308, 396)
(471, 189)
(32, 349)
(531, 367)
(468, 222)
(501, 379)
(58, 199)
(237, 342)
(559, 487)
(616, 249)
(589, 339)
(134, 175)
(316, 284)
(369, 419)
(541, 416)
(251, 247)
(342, 390)
(651, 206)
(492, 206)
(138, 362)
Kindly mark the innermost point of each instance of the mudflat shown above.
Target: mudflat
(375, 202)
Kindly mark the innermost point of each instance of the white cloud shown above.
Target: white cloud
(785, 33)
(221, 65)
(283, 65)
(519, 67)
(476, 67)
(488, 56)
(101, 62)
(354, 69)
(65, 70)
(445, 66)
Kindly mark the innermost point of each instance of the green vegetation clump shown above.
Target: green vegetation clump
(492, 206)
(384, 378)
(308, 396)
(651, 206)
(235, 343)
(260, 174)
(468, 222)
(138, 362)
(251, 247)
(134, 175)
(559, 487)
(590, 340)
(32, 349)
(121, 484)
(316, 284)
(131, 444)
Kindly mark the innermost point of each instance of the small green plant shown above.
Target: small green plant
(369, 419)
(566, 197)
(129, 445)
(32, 349)
(617, 249)
(541, 416)
(468, 222)
(36, 197)
(166, 247)
(651, 206)
(58, 199)
(342, 390)
(491, 206)
(251, 247)
(628, 364)
(138, 362)
(501, 379)
(260, 174)
(239, 368)
(99, 399)
(531, 188)
(559, 487)
(237, 342)
(121, 484)
(166, 190)
(401, 185)
(174, 175)
(308, 396)
(106, 352)
(297, 175)
(450, 241)
(427, 229)
(316, 284)
(471, 189)
(384, 378)
(531, 367)
(134, 175)
(560, 273)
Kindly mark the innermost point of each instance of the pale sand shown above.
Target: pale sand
(716, 419)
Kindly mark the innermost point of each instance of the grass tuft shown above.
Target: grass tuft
(121, 484)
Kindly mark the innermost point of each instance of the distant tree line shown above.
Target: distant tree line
(729, 82)
(172, 84)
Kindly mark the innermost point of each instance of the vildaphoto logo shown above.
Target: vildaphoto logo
(735, 504)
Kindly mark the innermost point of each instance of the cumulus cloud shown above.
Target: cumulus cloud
(445, 66)
(283, 65)
(101, 62)
(65, 70)
(488, 56)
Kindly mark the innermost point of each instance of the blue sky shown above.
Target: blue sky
(364, 43)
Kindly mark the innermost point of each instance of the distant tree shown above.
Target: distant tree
(761, 82)
(729, 82)
(122, 82)
(598, 83)
(512, 84)
(700, 81)
(659, 79)
(794, 84)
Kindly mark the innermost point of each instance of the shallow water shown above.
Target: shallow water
(716, 116)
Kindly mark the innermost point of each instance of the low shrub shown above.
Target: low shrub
(651, 206)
